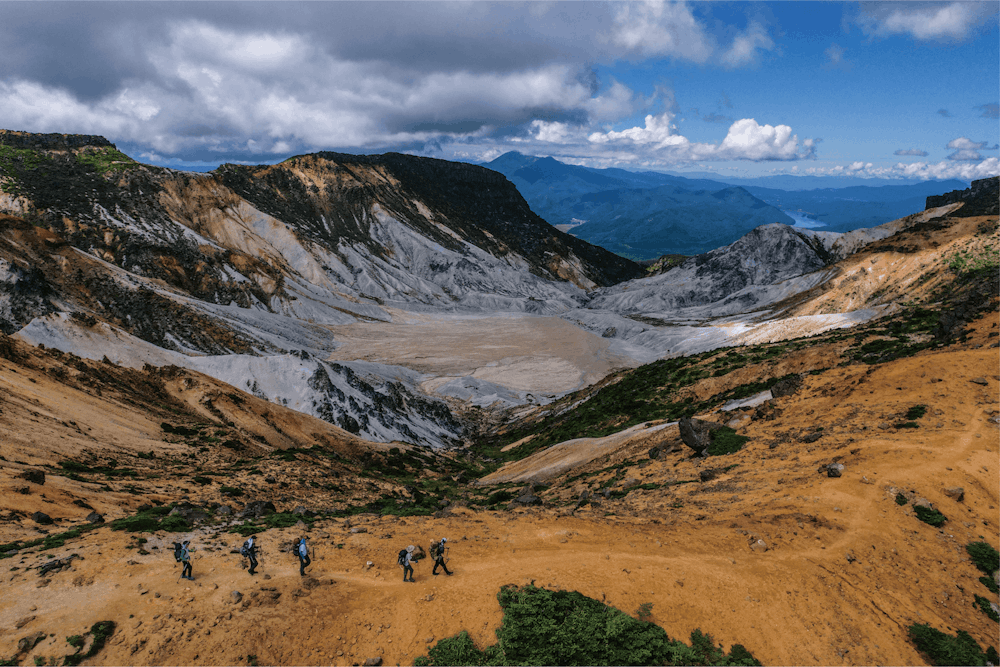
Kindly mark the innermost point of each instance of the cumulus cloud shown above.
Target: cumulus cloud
(911, 151)
(989, 110)
(966, 149)
(952, 21)
(745, 140)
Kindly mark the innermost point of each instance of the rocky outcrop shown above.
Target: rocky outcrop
(981, 198)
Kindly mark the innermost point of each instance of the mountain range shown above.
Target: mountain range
(648, 214)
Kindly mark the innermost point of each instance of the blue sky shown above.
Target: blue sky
(907, 90)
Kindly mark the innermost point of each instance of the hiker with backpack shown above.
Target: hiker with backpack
(438, 550)
(405, 561)
(302, 551)
(182, 554)
(249, 550)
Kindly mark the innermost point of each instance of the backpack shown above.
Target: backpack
(177, 551)
(303, 550)
(434, 549)
(401, 559)
(245, 549)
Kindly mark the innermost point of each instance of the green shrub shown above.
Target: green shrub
(725, 441)
(929, 515)
(202, 480)
(901, 499)
(984, 606)
(916, 412)
(76, 641)
(231, 490)
(990, 583)
(175, 524)
(984, 556)
(498, 497)
(542, 627)
(135, 524)
(943, 649)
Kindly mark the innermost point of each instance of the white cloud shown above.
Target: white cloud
(745, 47)
(659, 28)
(746, 140)
(966, 150)
(917, 170)
(925, 21)
(911, 151)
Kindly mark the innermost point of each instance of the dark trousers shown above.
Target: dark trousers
(439, 561)
(407, 572)
(253, 562)
(186, 570)
(303, 564)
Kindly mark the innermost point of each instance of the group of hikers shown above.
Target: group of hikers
(250, 550)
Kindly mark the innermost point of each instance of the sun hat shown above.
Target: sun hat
(409, 548)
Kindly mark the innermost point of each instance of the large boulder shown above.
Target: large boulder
(697, 433)
(258, 508)
(787, 387)
(41, 518)
(33, 476)
(190, 513)
(94, 517)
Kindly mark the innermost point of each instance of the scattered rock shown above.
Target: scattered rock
(708, 475)
(584, 497)
(922, 502)
(739, 421)
(850, 557)
(23, 622)
(956, 492)
(94, 517)
(359, 529)
(832, 469)
(373, 662)
(758, 546)
(980, 380)
(528, 498)
(236, 596)
(41, 518)
(270, 479)
(302, 511)
(865, 480)
(697, 433)
(223, 510)
(83, 504)
(33, 476)
(811, 437)
(25, 644)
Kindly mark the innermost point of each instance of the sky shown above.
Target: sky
(883, 89)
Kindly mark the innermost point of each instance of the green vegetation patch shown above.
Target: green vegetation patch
(984, 556)
(726, 441)
(105, 159)
(100, 632)
(916, 412)
(984, 606)
(944, 649)
(543, 627)
(148, 520)
(929, 515)
(901, 499)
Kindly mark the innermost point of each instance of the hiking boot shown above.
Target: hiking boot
(434, 573)
(449, 573)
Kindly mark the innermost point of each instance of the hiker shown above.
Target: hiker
(186, 559)
(182, 554)
(303, 553)
(437, 553)
(249, 550)
(405, 560)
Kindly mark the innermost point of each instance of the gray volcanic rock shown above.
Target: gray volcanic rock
(767, 256)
